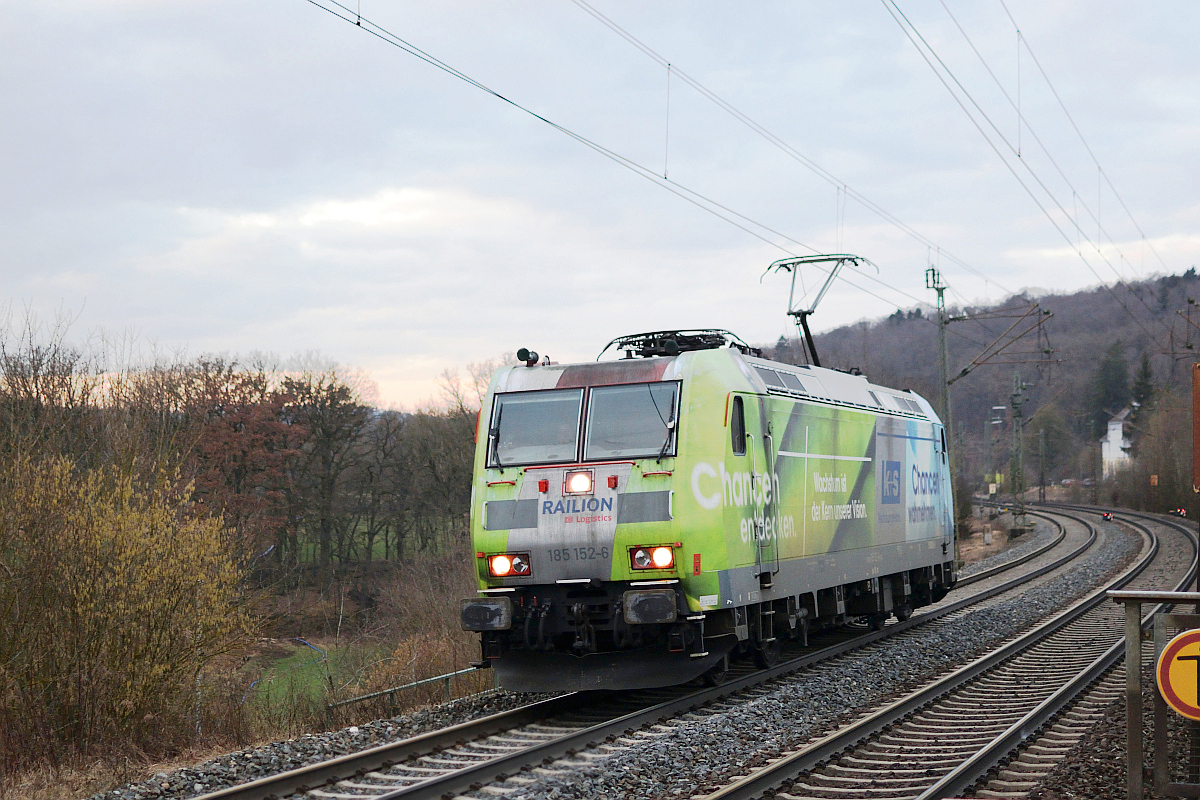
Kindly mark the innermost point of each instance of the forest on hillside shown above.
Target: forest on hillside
(1097, 352)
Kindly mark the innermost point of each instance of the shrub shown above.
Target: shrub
(112, 597)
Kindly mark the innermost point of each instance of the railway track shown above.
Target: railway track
(467, 757)
(944, 738)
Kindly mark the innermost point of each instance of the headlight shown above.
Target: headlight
(652, 557)
(508, 565)
(578, 481)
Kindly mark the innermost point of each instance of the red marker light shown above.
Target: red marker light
(543, 486)
(612, 481)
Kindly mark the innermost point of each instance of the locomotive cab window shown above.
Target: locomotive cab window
(737, 427)
(631, 421)
(535, 427)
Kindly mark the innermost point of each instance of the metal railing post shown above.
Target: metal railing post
(391, 692)
(1133, 699)
(1135, 756)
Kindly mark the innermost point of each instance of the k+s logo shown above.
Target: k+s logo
(892, 482)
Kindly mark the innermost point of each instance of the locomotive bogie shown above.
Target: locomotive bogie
(635, 522)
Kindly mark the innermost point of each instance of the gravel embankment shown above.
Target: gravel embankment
(698, 753)
(1095, 768)
(251, 764)
(1044, 534)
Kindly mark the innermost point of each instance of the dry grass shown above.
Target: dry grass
(83, 779)
(417, 618)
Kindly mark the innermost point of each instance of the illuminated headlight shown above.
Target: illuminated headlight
(661, 557)
(578, 481)
(508, 565)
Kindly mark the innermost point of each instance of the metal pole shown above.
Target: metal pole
(1041, 465)
(1133, 700)
(1194, 733)
(1162, 753)
(990, 464)
(933, 280)
(1196, 450)
(1017, 465)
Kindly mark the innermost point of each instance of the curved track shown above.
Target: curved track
(467, 756)
(944, 738)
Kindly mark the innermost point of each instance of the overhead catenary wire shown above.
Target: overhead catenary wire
(730, 216)
(667, 126)
(1015, 149)
(1076, 196)
(843, 191)
(909, 31)
(692, 196)
(1023, 121)
(1083, 139)
(783, 145)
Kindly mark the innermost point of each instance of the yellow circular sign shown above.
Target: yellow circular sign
(1178, 674)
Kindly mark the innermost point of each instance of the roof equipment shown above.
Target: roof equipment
(801, 315)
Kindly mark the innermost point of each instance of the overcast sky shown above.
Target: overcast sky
(229, 177)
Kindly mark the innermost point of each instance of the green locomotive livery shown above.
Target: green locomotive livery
(637, 522)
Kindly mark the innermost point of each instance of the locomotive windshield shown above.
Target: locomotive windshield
(628, 421)
(633, 421)
(535, 427)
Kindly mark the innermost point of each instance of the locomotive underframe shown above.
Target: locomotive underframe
(581, 635)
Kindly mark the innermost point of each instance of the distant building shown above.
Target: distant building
(1114, 447)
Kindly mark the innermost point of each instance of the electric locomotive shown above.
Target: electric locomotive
(636, 522)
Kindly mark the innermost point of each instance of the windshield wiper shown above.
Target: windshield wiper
(670, 429)
(494, 436)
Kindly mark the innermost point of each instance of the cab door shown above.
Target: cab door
(946, 495)
(766, 502)
(751, 453)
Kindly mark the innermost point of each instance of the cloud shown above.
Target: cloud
(231, 178)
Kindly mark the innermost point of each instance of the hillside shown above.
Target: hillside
(1123, 322)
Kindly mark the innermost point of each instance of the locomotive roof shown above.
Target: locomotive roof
(806, 382)
(839, 387)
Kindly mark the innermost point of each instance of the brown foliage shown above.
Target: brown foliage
(244, 451)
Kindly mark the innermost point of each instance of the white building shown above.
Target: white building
(1114, 447)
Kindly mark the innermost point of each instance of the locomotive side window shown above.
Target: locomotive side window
(535, 427)
(770, 377)
(737, 427)
(631, 421)
(792, 382)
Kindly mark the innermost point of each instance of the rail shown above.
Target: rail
(770, 778)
